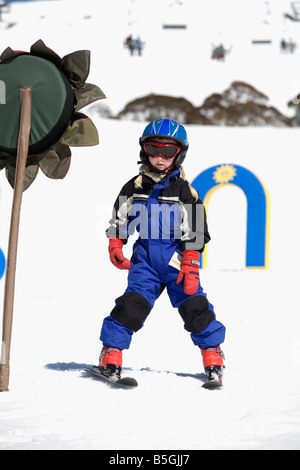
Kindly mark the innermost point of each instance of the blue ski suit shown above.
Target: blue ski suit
(169, 220)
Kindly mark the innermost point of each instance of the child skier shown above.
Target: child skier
(170, 218)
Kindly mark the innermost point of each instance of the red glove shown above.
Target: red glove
(190, 271)
(116, 254)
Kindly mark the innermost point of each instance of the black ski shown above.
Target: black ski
(212, 384)
(123, 382)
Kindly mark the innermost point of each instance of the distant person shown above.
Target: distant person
(130, 43)
(170, 217)
(292, 46)
(139, 45)
(219, 52)
(283, 45)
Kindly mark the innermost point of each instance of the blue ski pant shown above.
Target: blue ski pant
(145, 284)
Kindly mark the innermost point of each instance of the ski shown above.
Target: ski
(130, 382)
(123, 382)
(212, 384)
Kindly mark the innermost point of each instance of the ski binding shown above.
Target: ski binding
(123, 382)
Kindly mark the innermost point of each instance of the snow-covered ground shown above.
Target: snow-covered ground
(66, 284)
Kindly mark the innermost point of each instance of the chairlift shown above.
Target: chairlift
(174, 17)
(296, 12)
(296, 8)
(261, 41)
(174, 26)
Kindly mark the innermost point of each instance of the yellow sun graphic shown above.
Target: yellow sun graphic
(224, 174)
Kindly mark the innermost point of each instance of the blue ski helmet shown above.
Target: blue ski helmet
(169, 129)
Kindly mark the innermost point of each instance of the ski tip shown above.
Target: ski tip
(212, 384)
(127, 381)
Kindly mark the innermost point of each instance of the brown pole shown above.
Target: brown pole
(9, 288)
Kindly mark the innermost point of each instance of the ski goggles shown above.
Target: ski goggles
(155, 149)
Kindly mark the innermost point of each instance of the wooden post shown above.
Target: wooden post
(22, 153)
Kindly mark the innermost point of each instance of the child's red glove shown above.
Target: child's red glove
(190, 271)
(116, 254)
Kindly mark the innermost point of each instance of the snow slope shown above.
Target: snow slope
(66, 285)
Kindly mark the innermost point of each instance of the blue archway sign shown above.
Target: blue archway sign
(257, 206)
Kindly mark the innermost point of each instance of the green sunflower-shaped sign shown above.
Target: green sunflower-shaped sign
(59, 92)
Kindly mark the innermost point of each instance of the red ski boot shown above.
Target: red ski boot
(213, 362)
(110, 362)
